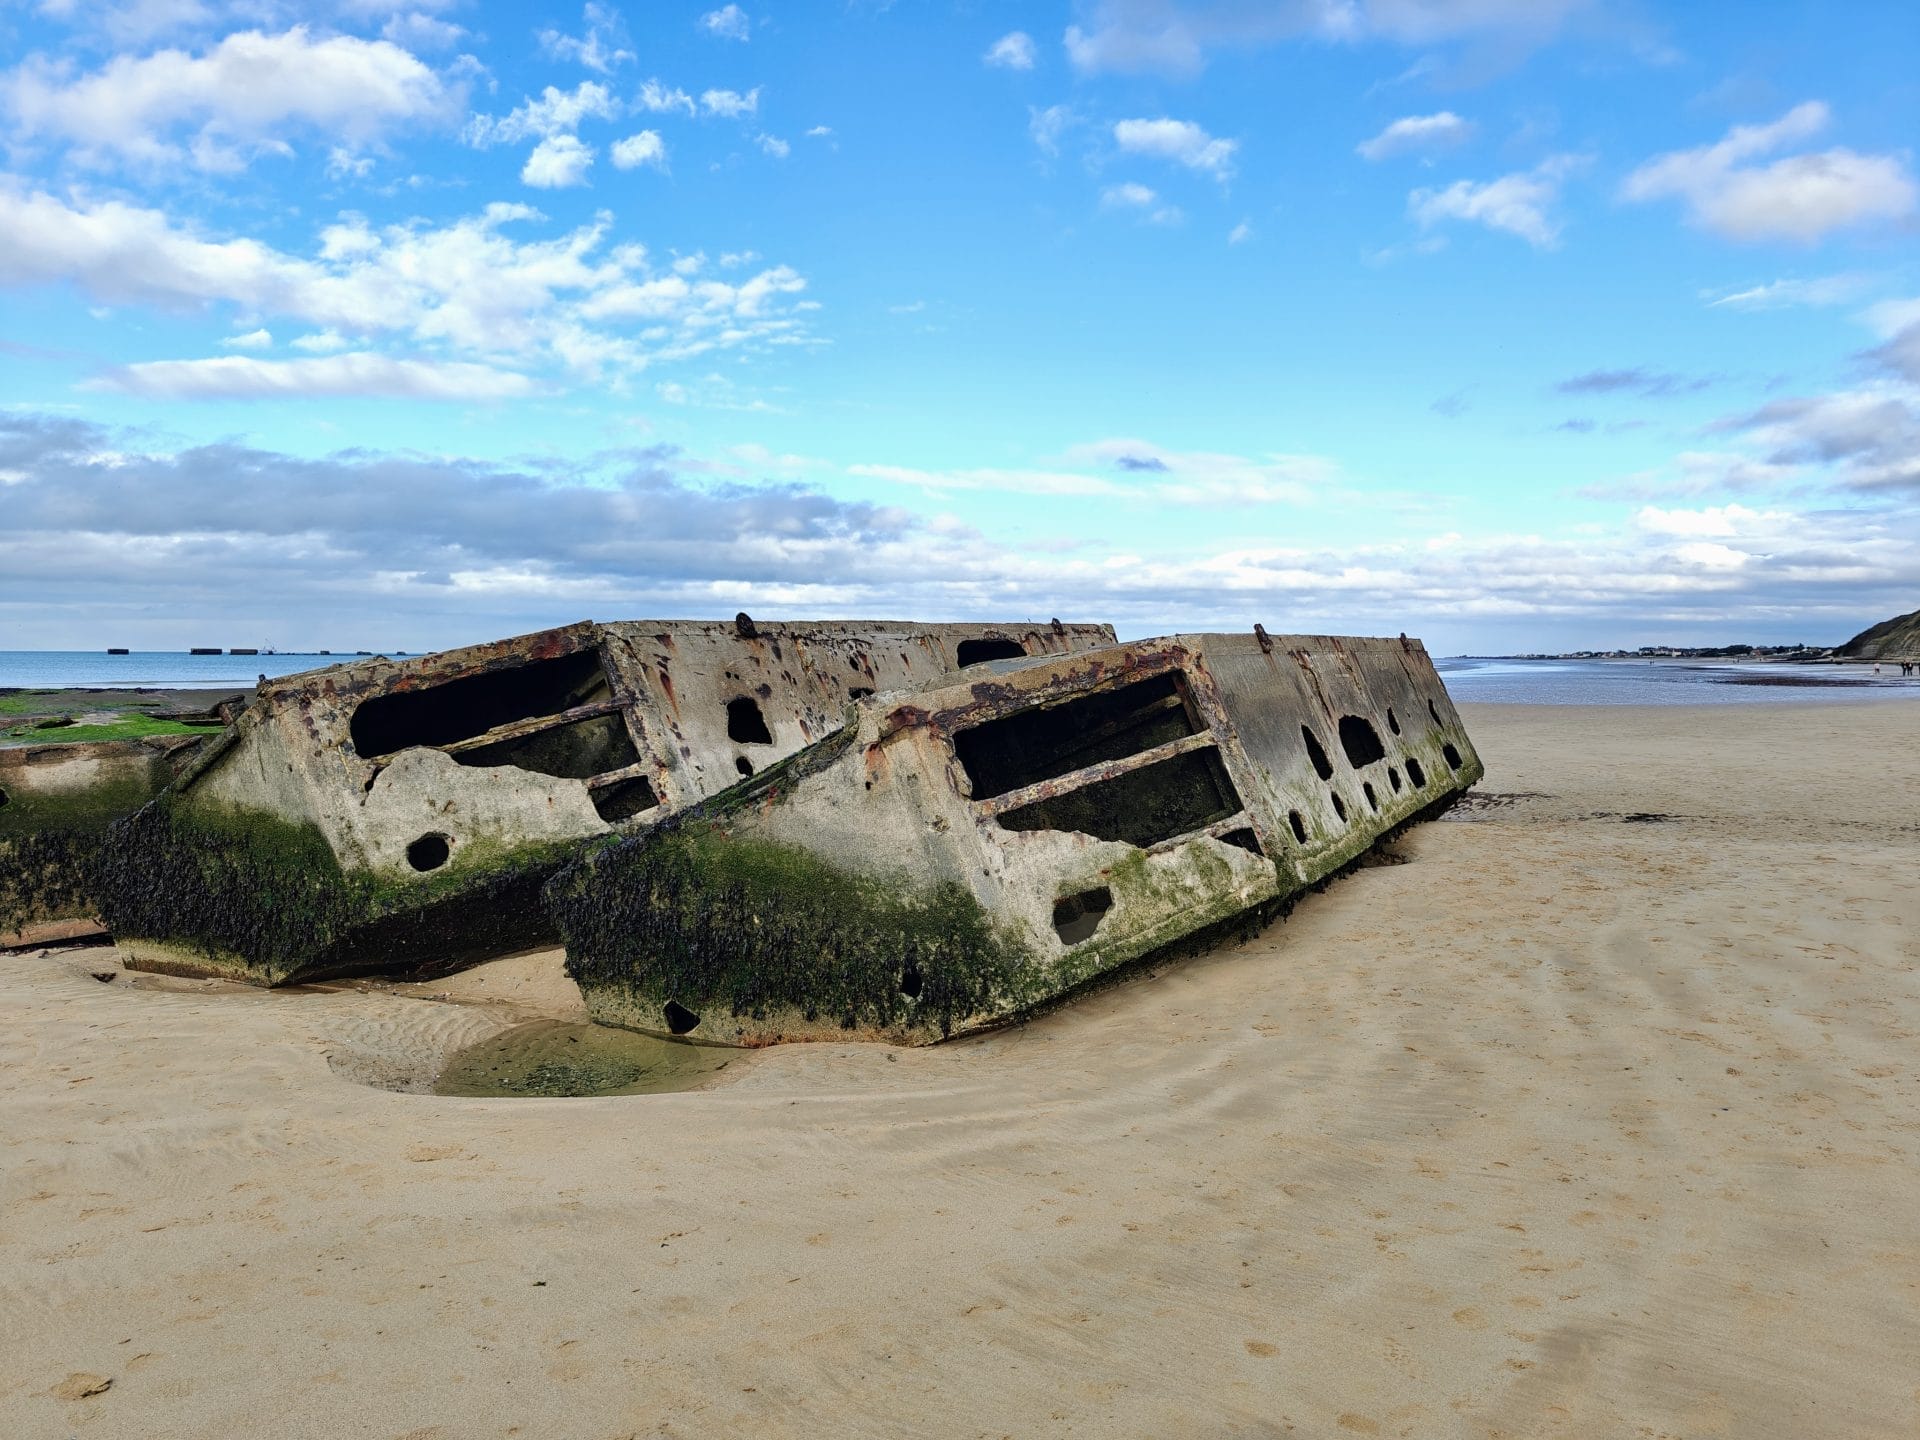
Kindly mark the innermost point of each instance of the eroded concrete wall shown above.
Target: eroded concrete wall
(473, 766)
(1095, 809)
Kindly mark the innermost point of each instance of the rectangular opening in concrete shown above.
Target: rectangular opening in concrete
(575, 751)
(1141, 807)
(471, 705)
(1053, 740)
(624, 799)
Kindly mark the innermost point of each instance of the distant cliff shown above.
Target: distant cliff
(1898, 638)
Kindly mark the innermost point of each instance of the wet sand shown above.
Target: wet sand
(1597, 1117)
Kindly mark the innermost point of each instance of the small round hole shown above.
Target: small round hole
(429, 852)
(743, 765)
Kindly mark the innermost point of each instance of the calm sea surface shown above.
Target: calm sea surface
(1512, 682)
(1665, 682)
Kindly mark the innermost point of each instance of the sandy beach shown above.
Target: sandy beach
(1596, 1116)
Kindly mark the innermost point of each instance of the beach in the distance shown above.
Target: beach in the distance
(1594, 1117)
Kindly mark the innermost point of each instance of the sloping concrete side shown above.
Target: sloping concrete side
(471, 771)
(1091, 809)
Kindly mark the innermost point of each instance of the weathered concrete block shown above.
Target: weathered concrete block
(969, 850)
(56, 802)
(388, 815)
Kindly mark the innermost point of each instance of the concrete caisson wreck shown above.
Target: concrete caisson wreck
(56, 804)
(966, 851)
(393, 815)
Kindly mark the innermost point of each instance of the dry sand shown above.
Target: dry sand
(1574, 1125)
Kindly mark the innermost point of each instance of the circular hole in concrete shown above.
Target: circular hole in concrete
(429, 852)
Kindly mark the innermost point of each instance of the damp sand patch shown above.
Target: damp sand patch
(547, 1058)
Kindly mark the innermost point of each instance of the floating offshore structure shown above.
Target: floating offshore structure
(750, 833)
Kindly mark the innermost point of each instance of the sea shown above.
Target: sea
(1471, 679)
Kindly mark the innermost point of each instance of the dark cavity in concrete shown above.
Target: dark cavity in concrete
(745, 724)
(974, 652)
(1076, 917)
(471, 705)
(1361, 741)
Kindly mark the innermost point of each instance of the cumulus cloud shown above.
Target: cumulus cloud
(558, 162)
(396, 549)
(732, 104)
(467, 289)
(645, 148)
(1240, 233)
(236, 377)
(1870, 438)
(1417, 134)
(1798, 197)
(601, 48)
(555, 112)
(219, 109)
(659, 99)
(774, 146)
(252, 340)
(1012, 51)
(1180, 141)
(729, 22)
(1517, 203)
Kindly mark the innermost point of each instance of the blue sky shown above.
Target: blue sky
(1514, 324)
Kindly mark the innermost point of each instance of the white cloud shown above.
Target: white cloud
(1175, 37)
(1012, 51)
(1181, 141)
(558, 162)
(660, 99)
(236, 377)
(1137, 470)
(556, 112)
(1131, 194)
(323, 342)
(601, 48)
(645, 148)
(1240, 233)
(774, 146)
(1779, 294)
(342, 162)
(252, 340)
(1800, 197)
(237, 100)
(414, 31)
(730, 103)
(1049, 126)
(727, 23)
(466, 288)
(1416, 133)
(1517, 204)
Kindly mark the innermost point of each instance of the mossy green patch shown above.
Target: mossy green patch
(691, 916)
(270, 894)
(130, 727)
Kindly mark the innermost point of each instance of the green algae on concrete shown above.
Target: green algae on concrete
(263, 899)
(761, 931)
(554, 1058)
